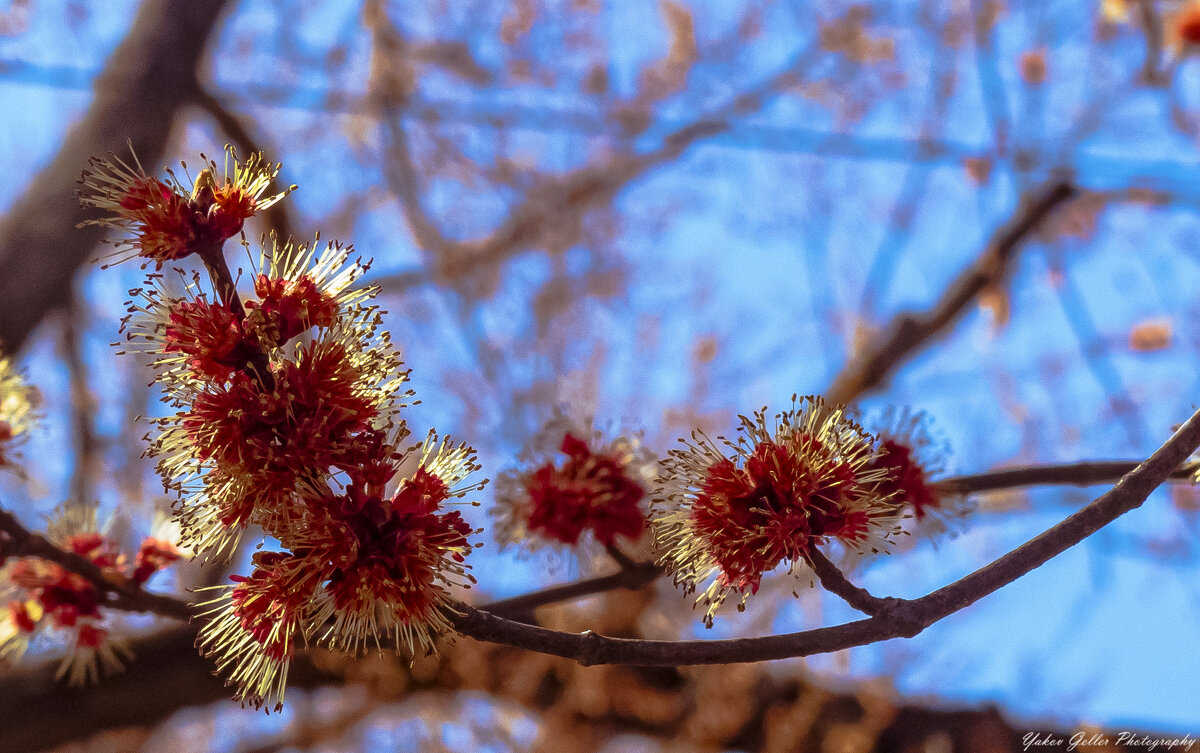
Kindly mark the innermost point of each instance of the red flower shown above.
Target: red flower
(304, 422)
(908, 454)
(210, 335)
(784, 501)
(789, 486)
(290, 307)
(906, 481)
(153, 555)
(168, 221)
(390, 555)
(588, 492)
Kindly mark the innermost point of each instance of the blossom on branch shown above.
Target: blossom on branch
(911, 454)
(572, 482)
(167, 219)
(45, 597)
(17, 403)
(241, 443)
(728, 513)
(367, 566)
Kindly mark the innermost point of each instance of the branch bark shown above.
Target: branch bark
(909, 331)
(149, 77)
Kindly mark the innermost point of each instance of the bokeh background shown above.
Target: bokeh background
(661, 214)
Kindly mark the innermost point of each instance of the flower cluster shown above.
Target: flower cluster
(571, 482)
(366, 564)
(164, 219)
(729, 513)
(17, 403)
(264, 416)
(44, 597)
(285, 415)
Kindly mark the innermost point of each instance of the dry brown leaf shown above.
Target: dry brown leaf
(979, 169)
(1151, 335)
(1032, 65)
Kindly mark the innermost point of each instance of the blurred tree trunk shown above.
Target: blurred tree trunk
(149, 77)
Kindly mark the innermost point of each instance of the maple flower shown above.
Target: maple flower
(240, 444)
(571, 482)
(366, 567)
(43, 596)
(394, 557)
(17, 403)
(254, 625)
(728, 514)
(169, 220)
(910, 454)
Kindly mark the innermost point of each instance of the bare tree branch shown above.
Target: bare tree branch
(17, 541)
(834, 581)
(908, 332)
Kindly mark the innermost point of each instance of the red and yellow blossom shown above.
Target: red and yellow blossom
(17, 410)
(728, 514)
(240, 443)
(572, 482)
(366, 566)
(910, 455)
(165, 219)
(284, 414)
(44, 597)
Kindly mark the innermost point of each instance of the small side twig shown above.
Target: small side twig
(630, 577)
(835, 581)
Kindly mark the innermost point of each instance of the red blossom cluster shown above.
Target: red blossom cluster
(166, 220)
(45, 597)
(728, 514)
(286, 417)
(567, 488)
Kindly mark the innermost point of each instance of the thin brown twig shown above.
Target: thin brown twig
(909, 331)
(834, 581)
(1087, 473)
(633, 576)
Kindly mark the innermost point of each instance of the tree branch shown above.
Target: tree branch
(633, 576)
(1087, 473)
(18, 541)
(900, 618)
(908, 331)
(834, 581)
